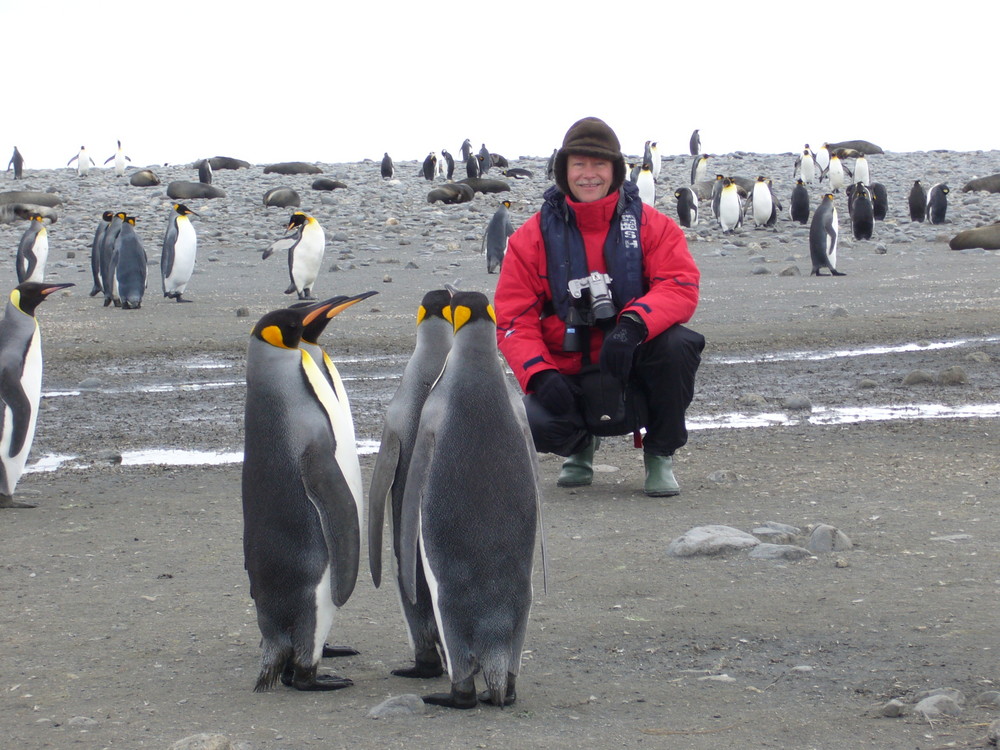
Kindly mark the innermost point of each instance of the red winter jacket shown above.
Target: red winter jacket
(532, 343)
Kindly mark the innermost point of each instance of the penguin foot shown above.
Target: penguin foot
(332, 652)
(837, 273)
(510, 694)
(306, 678)
(6, 501)
(293, 289)
(178, 298)
(95, 291)
(107, 301)
(421, 670)
(462, 695)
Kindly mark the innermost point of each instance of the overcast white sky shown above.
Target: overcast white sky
(326, 81)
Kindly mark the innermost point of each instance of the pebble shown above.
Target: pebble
(724, 476)
(953, 376)
(82, 721)
(777, 533)
(918, 377)
(203, 741)
(710, 540)
(407, 704)
(893, 709)
(790, 271)
(766, 551)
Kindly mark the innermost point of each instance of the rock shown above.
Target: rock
(752, 401)
(777, 533)
(87, 383)
(826, 538)
(759, 270)
(953, 376)
(242, 312)
(766, 551)
(797, 402)
(990, 698)
(710, 540)
(400, 705)
(918, 377)
(893, 709)
(82, 721)
(936, 706)
(790, 271)
(203, 741)
(723, 476)
(387, 279)
(956, 695)
(867, 383)
(993, 732)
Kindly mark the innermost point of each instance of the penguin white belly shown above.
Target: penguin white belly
(836, 174)
(41, 252)
(647, 188)
(185, 250)
(82, 163)
(761, 205)
(31, 383)
(729, 210)
(308, 256)
(657, 164)
(806, 169)
(861, 171)
(831, 241)
(119, 164)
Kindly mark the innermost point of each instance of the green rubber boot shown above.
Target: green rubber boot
(578, 469)
(660, 481)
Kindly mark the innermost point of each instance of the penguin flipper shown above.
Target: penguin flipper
(13, 395)
(330, 494)
(383, 478)
(416, 479)
(285, 243)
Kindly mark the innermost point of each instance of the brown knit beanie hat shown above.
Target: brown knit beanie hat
(590, 137)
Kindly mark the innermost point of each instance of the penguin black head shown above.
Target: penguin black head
(283, 328)
(506, 204)
(130, 220)
(467, 307)
(433, 305)
(122, 215)
(30, 294)
(761, 178)
(333, 307)
(297, 219)
(183, 210)
(108, 216)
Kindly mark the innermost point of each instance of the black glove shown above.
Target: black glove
(556, 392)
(619, 347)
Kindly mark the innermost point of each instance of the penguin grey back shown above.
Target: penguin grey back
(130, 267)
(937, 203)
(495, 238)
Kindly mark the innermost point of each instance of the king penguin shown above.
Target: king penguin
(822, 160)
(33, 251)
(95, 251)
(17, 161)
(495, 238)
(20, 383)
(698, 168)
(862, 211)
(823, 233)
(805, 165)
(387, 168)
(656, 162)
(798, 208)
(687, 207)
(388, 483)
(937, 203)
(765, 208)
(449, 161)
(429, 166)
(305, 246)
(119, 159)
(83, 162)
(646, 184)
(730, 207)
(862, 173)
(485, 159)
(205, 172)
(470, 511)
(466, 149)
(472, 166)
(128, 262)
(107, 255)
(694, 143)
(917, 201)
(180, 246)
(880, 201)
(837, 171)
(301, 507)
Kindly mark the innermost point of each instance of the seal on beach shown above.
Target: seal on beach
(917, 202)
(17, 161)
(144, 178)
(292, 167)
(119, 158)
(305, 247)
(325, 183)
(687, 207)
(861, 209)
(32, 251)
(128, 262)
(282, 197)
(453, 192)
(937, 203)
(83, 162)
(228, 162)
(184, 190)
(20, 383)
(694, 143)
(987, 237)
(862, 147)
(495, 238)
(518, 173)
(30, 197)
(470, 512)
(823, 234)
(301, 506)
(484, 185)
(880, 201)
(990, 184)
(180, 246)
(388, 482)
(798, 206)
(387, 168)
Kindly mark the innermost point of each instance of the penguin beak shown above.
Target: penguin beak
(345, 303)
(55, 288)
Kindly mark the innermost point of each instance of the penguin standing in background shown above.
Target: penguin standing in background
(95, 251)
(129, 264)
(698, 168)
(823, 233)
(550, 165)
(687, 207)
(862, 173)
(305, 246)
(83, 162)
(495, 238)
(798, 208)
(472, 166)
(17, 161)
(107, 254)
(880, 201)
(440, 166)
(917, 201)
(822, 161)
(301, 507)
(861, 209)
(180, 246)
(387, 168)
(33, 251)
(466, 150)
(765, 207)
(806, 166)
(205, 172)
(647, 154)
(647, 186)
(388, 482)
(485, 160)
(655, 161)
(20, 383)
(119, 159)
(470, 512)
(430, 166)
(449, 162)
(838, 172)
(937, 203)
(717, 194)
(695, 143)
(730, 207)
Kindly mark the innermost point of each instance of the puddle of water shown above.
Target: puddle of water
(845, 415)
(815, 356)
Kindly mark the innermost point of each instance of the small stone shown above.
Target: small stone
(881, 249)
(90, 383)
(956, 695)
(411, 265)
(953, 376)
(387, 279)
(776, 533)
(867, 383)
(339, 237)
(82, 721)
(980, 357)
(242, 312)
(334, 268)
(993, 732)
(841, 563)
(936, 706)
(203, 741)
(790, 271)
(710, 540)
(70, 254)
(826, 538)
(392, 222)
(723, 476)
(765, 551)
(760, 270)
(400, 705)
(752, 400)
(839, 312)
(893, 709)
(918, 377)
(797, 402)
(989, 698)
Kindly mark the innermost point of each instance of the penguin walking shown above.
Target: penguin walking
(430, 166)
(805, 165)
(765, 207)
(388, 170)
(485, 160)
(880, 201)
(33, 251)
(20, 383)
(917, 201)
(694, 144)
(647, 186)
(862, 173)
(798, 208)
(730, 207)
(470, 512)
(119, 158)
(128, 262)
(107, 255)
(95, 251)
(495, 238)
(937, 203)
(83, 162)
(301, 506)
(823, 233)
(862, 211)
(388, 482)
(205, 174)
(180, 246)
(699, 167)
(17, 161)
(687, 207)
(449, 161)
(305, 246)
(466, 149)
